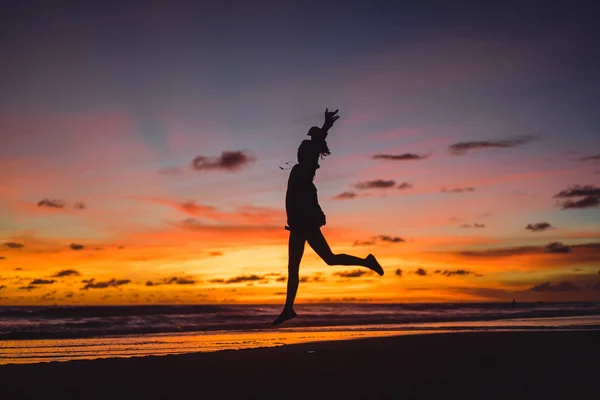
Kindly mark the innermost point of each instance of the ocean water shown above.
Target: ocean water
(38, 334)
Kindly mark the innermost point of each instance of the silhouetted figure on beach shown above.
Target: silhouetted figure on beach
(305, 217)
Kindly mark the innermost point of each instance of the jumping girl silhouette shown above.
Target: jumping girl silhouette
(305, 217)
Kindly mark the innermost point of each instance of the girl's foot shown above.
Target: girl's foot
(373, 264)
(284, 316)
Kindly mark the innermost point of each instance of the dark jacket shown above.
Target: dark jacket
(301, 201)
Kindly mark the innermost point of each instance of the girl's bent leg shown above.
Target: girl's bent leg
(319, 244)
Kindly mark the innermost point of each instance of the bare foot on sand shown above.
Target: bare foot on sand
(373, 264)
(285, 316)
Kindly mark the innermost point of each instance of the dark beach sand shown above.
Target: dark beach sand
(488, 365)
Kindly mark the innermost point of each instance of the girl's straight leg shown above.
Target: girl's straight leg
(295, 253)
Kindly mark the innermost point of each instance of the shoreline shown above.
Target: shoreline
(34, 351)
(183, 344)
(528, 364)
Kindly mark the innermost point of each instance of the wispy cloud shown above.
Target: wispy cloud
(559, 287)
(42, 282)
(356, 273)
(400, 157)
(590, 251)
(557, 247)
(244, 214)
(227, 161)
(591, 158)
(375, 184)
(192, 208)
(364, 243)
(76, 246)
(458, 190)
(313, 278)
(450, 273)
(590, 194)
(66, 272)
(586, 202)
(345, 196)
(92, 284)
(392, 239)
(244, 278)
(13, 245)
(473, 226)
(462, 148)
(539, 227)
(177, 280)
(405, 185)
(381, 238)
(579, 191)
(51, 203)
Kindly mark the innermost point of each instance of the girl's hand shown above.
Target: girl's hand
(330, 118)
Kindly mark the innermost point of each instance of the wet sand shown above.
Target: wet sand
(483, 365)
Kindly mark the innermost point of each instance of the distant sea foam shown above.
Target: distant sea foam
(18, 323)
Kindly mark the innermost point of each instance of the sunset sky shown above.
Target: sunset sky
(141, 149)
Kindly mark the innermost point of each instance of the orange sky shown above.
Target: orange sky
(450, 144)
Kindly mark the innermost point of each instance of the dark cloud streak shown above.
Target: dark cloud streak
(92, 284)
(244, 278)
(550, 248)
(375, 184)
(400, 157)
(391, 239)
(579, 191)
(227, 161)
(557, 247)
(42, 282)
(539, 227)
(450, 273)
(66, 272)
(356, 273)
(458, 190)
(51, 203)
(586, 202)
(473, 226)
(591, 158)
(345, 196)
(560, 287)
(13, 245)
(461, 148)
(178, 280)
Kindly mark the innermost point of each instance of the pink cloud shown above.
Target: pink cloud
(245, 214)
